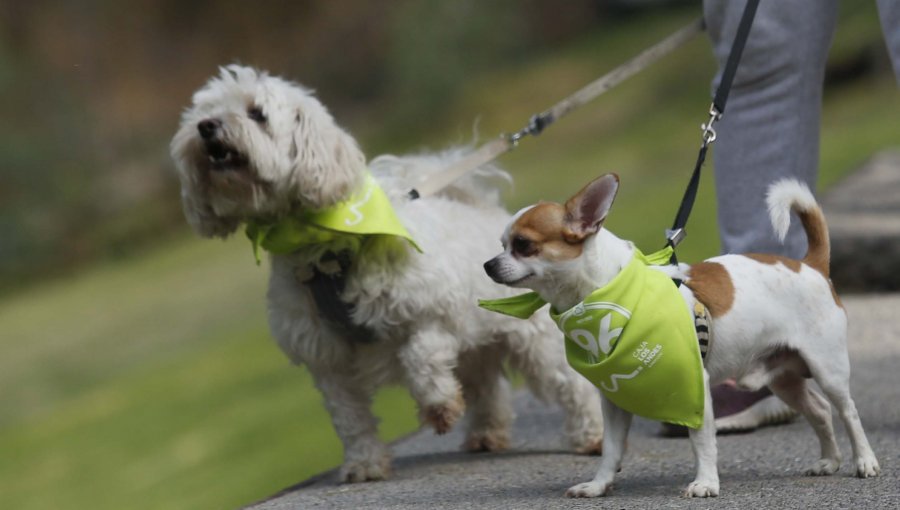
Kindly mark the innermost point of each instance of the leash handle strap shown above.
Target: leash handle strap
(622, 73)
(486, 153)
(492, 150)
(709, 135)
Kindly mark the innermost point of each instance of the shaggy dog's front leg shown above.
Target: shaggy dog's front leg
(365, 456)
(429, 359)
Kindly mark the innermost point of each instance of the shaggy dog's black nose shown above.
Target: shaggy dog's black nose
(208, 128)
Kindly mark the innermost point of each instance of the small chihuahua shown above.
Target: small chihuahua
(774, 322)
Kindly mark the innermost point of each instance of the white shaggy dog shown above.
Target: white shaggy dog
(254, 147)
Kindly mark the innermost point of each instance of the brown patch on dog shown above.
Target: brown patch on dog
(712, 286)
(818, 256)
(834, 295)
(769, 259)
(545, 226)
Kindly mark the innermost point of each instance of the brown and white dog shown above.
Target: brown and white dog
(775, 321)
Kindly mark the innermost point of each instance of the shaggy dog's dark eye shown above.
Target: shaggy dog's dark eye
(256, 113)
(524, 247)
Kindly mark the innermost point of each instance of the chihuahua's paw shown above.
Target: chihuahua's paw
(587, 490)
(702, 489)
(365, 470)
(823, 467)
(442, 416)
(867, 467)
(486, 441)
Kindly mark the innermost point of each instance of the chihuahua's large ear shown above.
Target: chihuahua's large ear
(586, 210)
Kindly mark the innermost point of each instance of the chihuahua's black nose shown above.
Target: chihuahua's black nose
(490, 267)
(208, 128)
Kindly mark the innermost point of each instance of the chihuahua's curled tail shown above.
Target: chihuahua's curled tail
(789, 195)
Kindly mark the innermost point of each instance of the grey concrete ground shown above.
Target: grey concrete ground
(762, 469)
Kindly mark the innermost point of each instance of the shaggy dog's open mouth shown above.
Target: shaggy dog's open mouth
(224, 157)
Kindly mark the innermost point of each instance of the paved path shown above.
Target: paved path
(758, 470)
(863, 213)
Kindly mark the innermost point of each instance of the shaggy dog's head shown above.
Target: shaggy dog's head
(256, 146)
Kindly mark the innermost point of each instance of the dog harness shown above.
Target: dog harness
(633, 339)
(368, 212)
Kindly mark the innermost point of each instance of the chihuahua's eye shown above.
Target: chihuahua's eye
(524, 247)
(256, 113)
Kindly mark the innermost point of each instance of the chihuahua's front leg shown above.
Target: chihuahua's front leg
(703, 441)
(617, 423)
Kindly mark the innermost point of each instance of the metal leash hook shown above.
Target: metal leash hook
(709, 133)
(536, 125)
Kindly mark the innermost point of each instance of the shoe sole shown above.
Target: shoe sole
(768, 411)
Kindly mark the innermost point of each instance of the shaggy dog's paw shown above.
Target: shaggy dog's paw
(590, 447)
(368, 470)
(442, 416)
(587, 490)
(823, 467)
(867, 467)
(486, 441)
(702, 489)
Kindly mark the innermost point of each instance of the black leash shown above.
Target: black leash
(677, 233)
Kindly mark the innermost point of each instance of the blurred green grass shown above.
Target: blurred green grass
(153, 383)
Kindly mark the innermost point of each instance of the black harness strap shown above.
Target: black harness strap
(677, 232)
(326, 289)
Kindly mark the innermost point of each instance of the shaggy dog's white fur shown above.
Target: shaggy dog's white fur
(254, 146)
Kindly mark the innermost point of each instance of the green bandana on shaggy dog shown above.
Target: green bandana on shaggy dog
(368, 212)
(634, 339)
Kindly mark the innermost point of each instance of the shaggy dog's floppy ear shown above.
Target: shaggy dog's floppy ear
(328, 166)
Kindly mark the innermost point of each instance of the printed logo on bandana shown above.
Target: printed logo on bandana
(354, 207)
(648, 355)
(605, 338)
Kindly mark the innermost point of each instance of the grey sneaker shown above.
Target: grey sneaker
(743, 411)
(740, 411)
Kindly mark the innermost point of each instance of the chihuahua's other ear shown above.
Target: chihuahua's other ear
(586, 210)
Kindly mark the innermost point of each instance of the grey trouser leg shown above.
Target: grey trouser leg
(770, 129)
(889, 12)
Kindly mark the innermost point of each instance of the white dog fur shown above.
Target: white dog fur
(276, 150)
(775, 321)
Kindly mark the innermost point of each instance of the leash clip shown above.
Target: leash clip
(536, 125)
(675, 236)
(709, 134)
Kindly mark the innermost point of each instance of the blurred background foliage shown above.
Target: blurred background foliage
(136, 368)
(91, 91)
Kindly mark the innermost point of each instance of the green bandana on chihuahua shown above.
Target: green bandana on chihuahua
(634, 339)
(368, 212)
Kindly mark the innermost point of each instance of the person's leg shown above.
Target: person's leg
(889, 12)
(769, 131)
(770, 128)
